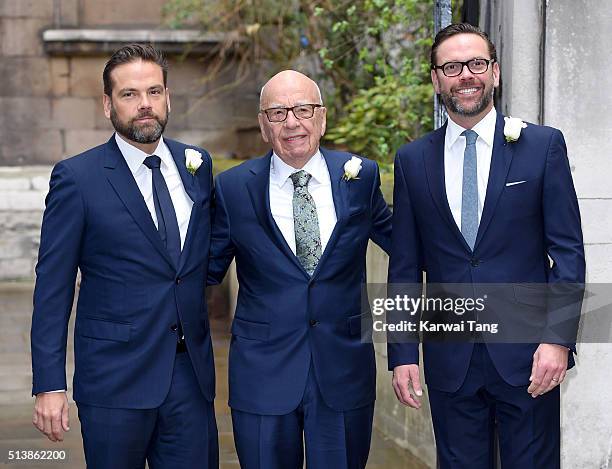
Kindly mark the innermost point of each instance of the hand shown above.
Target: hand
(404, 378)
(549, 368)
(51, 414)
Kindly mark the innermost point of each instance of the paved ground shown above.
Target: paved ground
(17, 432)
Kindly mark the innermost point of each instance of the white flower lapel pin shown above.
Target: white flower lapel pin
(512, 128)
(193, 160)
(352, 168)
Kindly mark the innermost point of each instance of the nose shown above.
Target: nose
(466, 74)
(145, 103)
(292, 122)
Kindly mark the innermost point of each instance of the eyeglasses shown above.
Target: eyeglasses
(301, 111)
(454, 69)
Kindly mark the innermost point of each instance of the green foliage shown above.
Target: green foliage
(223, 164)
(369, 56)
(381, 118)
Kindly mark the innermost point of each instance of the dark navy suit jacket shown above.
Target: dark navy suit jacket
(285, 320)
(96, 220)
(521, 226)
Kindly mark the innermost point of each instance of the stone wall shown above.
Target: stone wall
(577, 77)
(52, 104)
(22, 195)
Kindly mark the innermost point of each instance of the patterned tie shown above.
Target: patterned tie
(469, 197)
(306, 223)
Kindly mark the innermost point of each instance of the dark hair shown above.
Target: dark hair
(132, 53)
(460, 28)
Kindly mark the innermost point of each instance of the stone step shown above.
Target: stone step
(15, 379)
(14, 358)
(14, 345)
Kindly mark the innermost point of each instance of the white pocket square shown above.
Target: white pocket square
(508, 184)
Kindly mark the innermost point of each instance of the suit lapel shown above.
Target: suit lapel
(189, 181)
(121, 179)
(258, 187)
(434, 168)
(191, 185)
(340, 193)
(501, 158)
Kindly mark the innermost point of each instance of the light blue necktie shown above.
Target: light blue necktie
(469, 196)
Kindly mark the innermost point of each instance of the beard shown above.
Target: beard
(454, 105)
(148, 133)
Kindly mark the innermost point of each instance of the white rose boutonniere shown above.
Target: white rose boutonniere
(352, 168)
(193, 160)
(512, 128)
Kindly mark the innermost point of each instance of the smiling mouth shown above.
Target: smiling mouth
(295, 138)
(467, 91)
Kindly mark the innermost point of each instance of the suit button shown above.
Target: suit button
(173, 327)
(178, 280)
(313, 322)
(474, 262)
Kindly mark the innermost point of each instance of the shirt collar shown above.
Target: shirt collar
(316, 167)
(135, 157)
(485, 129)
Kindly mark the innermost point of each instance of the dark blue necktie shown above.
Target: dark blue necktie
(166, 216)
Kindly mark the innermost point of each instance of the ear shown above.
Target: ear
(107, 104)
(323, 111)
(496, 74)
(168, 99)
(435, 82)
(262, 127)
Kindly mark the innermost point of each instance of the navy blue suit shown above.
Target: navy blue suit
(291, 329)
(130, 295)
(521, 225)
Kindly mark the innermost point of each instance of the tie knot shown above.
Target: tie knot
(470, 137)
(300, 179)
(152, 161)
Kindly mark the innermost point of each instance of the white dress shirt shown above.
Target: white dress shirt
(144, 179)
(281, 197)
(454, 147)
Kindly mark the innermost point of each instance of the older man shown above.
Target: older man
(298, 222)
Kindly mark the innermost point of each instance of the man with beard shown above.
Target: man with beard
(473, 208)
(133, 215)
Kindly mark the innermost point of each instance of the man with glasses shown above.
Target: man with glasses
(476, 203)
(298, 221)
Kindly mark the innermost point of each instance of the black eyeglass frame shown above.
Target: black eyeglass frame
(292, 109)
(463, 64)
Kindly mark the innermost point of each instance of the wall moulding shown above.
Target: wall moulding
(62, 42)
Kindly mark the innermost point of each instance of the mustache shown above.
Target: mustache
(145, 115)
